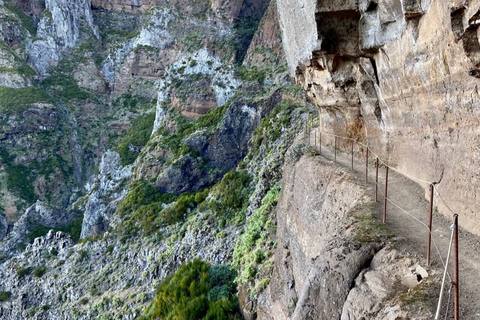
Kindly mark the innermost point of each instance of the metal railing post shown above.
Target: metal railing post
(335, 149)
(320, 151)
(309, 133)
(385, 197)
(366, 166)
(456, 303)
(376, 180)
(430, 218)
(352, 154)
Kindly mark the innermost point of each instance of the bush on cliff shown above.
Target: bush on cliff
(196, 291)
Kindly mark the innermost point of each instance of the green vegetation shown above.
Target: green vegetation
(368, 228)
(27, 22)
(22, 67)
(196, 291)
(65, 88)
(145, 209)
(185, 127)
(82, 255)
(74, 229)
(142, 194)
(134, 139)
(23, 271)
(251, 74)
(5, 295)
(272, 126)
(193, 41)
(230, 196)
(19, 178)
(18, 100)
(244, 28)
(133, 103)
(39, 271)
(254, 251)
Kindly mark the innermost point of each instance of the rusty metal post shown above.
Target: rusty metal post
(430, 218)
(320, 146)
(335, 149)
(352, 155)
(305, 133)
(456, 309)
(366, 166)
(309, 132)
(376, 180)
(385, 197)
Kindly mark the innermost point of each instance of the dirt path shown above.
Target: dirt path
(413, 235)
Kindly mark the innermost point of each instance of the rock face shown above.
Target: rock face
(108, 187)
(128, 5)
(35, 215)
(317, 259)
(378, 73)
(58, 30)
(321, 269)
(3, 227)
(220, 151)
(373, 286)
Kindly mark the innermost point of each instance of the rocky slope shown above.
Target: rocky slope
(400, 76)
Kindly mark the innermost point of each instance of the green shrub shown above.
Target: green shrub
(27, 22)
(196, 291)
(65, 88)
(141, 194)
(251, 74)
(110, 249)
(253, 250)
(134, 139)
(82, 255)
(23, 271)
(244, 29)
(19, 178)
(5, 295)
(231, 194)
(39, 271)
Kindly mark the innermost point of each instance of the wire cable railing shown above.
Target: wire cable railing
(431, 238)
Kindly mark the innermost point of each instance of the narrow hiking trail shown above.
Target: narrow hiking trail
(407, 219)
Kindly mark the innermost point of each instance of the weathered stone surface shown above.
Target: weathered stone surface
(266, 45)
(217, 77)
(389, 274)
(3, 226)
(128, 5)
(299, 31)
(407, 91)
(108, 187)
(59, 29)
(89, 77)
(221, 151)
(317, 258)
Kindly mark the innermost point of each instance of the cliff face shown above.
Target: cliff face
(400, 76)
(328, 264)
(58, 30)
(134, 126)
